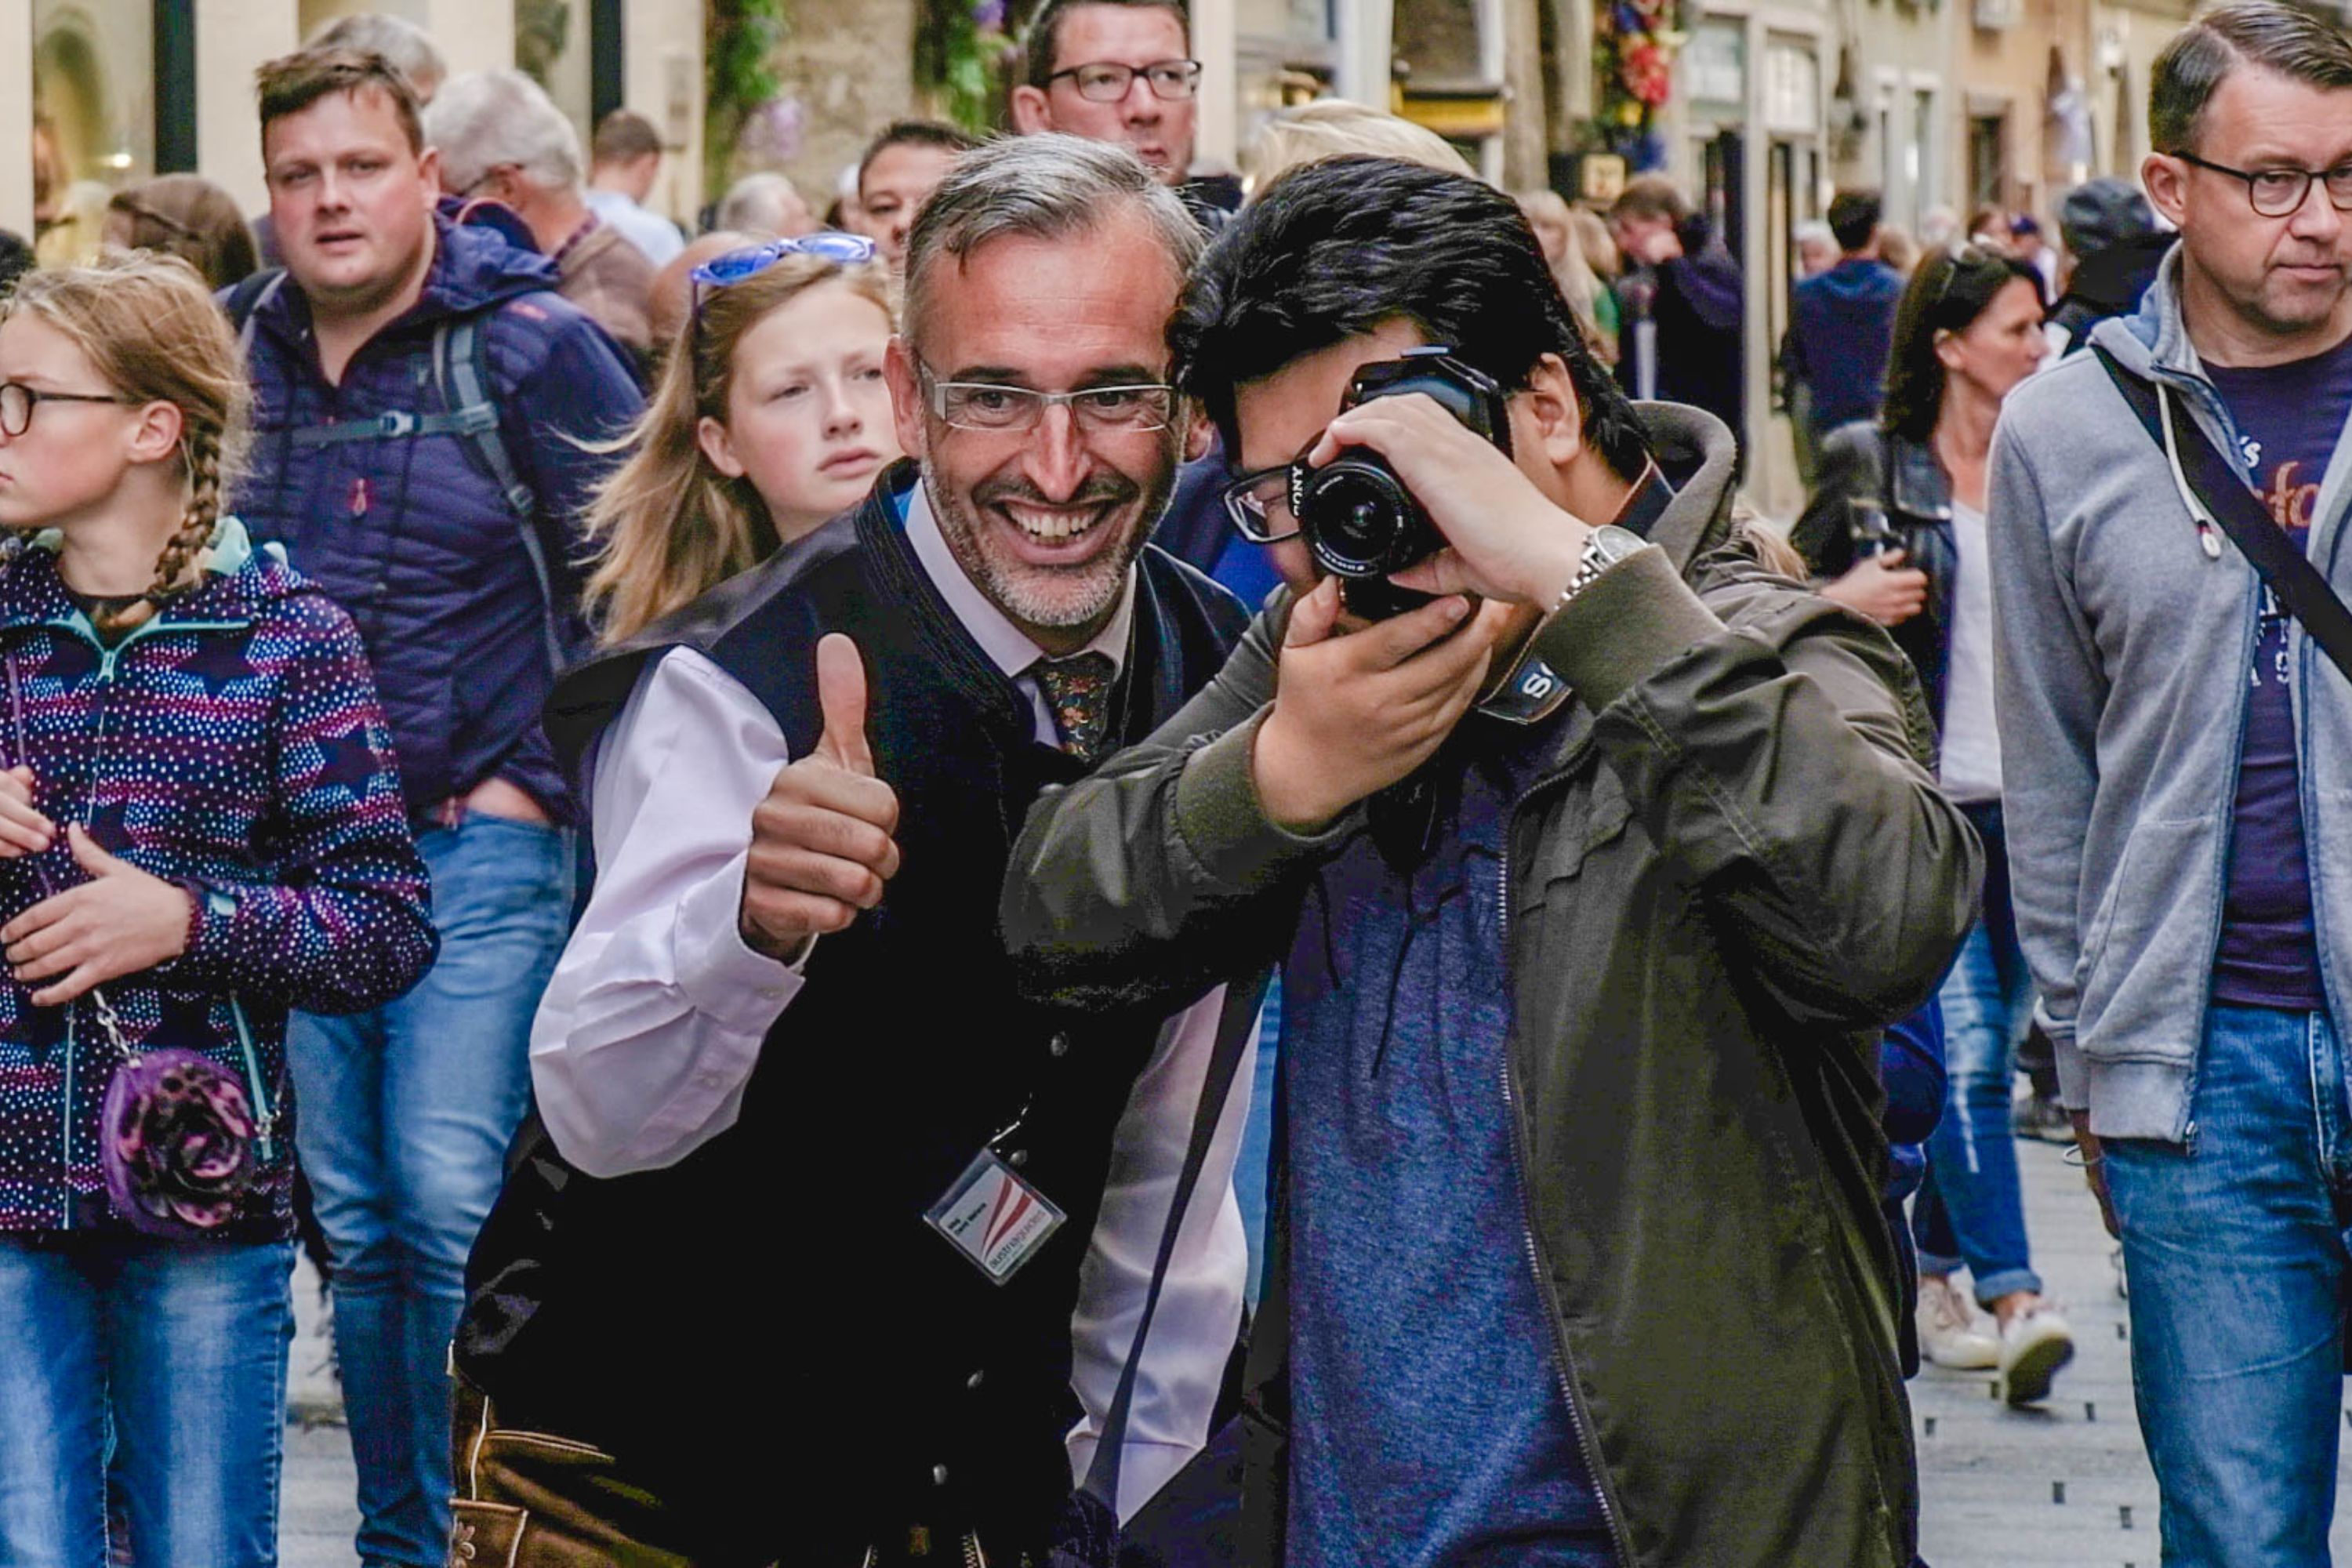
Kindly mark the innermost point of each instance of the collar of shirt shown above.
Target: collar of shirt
(1007, 646)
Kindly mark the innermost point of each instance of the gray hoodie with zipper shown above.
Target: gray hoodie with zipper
(2121, 649)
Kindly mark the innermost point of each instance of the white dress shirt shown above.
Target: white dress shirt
(658, 1011)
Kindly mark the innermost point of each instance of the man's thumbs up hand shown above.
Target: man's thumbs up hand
(841, 694)
(821, 842)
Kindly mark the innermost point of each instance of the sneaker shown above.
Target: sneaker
(2034, 1345)
(1952, 1332)
(2031, 1116)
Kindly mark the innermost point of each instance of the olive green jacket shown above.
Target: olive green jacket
(1735, 872)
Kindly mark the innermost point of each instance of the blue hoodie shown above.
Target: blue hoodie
(410, 535)
(1841, 329)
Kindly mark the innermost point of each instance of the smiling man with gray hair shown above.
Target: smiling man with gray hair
(785, 1045)
(502, 139)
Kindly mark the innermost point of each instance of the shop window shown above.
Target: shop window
(93, 116)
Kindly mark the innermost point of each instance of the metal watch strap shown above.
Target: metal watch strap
(1603, 548)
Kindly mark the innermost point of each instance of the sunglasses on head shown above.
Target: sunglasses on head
(751, 260)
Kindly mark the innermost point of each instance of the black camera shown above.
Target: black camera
(1358, 519)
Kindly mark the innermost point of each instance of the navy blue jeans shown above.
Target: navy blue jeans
(1972, 1208)
(2235, 1248)
(406, 1114)
(165, 1359)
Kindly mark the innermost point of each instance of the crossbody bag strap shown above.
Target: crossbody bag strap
(1235, 1034)
(2219, 497)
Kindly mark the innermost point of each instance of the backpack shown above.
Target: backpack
(460, 355)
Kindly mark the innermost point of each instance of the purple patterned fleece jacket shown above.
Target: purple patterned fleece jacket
(234, 744)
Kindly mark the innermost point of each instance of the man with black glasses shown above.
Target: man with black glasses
(837, 1237)
(1115, 71)
(2175, 740)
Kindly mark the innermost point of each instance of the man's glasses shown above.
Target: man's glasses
(18, 401)
(1104, 83)
(1099, 410)
(2281, 193)
(751, 260)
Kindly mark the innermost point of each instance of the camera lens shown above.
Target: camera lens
(1358, 512)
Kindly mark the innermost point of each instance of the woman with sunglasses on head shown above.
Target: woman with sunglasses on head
(201, 825)
(1896, 532)
(770, 416)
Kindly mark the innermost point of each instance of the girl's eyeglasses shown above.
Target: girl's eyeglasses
(720, 272)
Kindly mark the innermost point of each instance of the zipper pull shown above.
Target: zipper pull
(359, 501)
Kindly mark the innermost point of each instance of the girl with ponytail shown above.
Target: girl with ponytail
(201, 827)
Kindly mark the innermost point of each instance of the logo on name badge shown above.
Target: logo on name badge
(994, 1217)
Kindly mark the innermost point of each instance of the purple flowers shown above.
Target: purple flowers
(177, 1142)
(988, 15)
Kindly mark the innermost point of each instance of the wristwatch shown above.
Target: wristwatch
(1603, 548)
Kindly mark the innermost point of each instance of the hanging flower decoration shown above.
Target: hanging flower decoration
(1638, 40)
(964, 51)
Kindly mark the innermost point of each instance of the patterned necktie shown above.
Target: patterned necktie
(1079, 688)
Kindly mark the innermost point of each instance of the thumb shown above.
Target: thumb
(87, 855)
(841, 693)
(1313, 616)
(1888, 560)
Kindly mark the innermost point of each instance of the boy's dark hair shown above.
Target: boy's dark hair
(914, 133)
(1043, 42)
(292, 83)
(1948, 290)
(1340, 247)
(625, 136)
(1853, 219)
(2283, 40)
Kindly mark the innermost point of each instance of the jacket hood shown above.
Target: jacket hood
(241, 580)
(473, 267)
(1696, 453)
(1855, 278)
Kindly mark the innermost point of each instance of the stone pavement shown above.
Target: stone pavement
(2066, 1486)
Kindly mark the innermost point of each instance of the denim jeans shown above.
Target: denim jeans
(1971, 1209)
(2235, 1248)
(165, 1360)
(406, 1112)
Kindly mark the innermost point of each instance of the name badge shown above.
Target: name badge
(994, 1217)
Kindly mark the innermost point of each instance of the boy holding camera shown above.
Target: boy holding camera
(1583, 994)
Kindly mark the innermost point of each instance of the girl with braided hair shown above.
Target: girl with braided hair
(201, 827)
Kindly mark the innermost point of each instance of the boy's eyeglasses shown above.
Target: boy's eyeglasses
(751, 260)
(18, 401)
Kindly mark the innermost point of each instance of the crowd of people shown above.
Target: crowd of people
(1077, 864)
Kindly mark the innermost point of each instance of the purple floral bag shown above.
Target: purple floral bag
(175, 1138)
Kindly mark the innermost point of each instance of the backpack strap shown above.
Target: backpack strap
(245, 302)
(461, 372)
(2217, 495)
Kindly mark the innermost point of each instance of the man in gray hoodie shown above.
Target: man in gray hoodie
(2179, 783)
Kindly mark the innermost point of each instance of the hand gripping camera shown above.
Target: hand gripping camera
(1358, 518)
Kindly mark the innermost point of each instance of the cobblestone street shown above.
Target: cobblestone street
(2065, 1487)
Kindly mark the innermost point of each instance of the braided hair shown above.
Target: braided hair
(151, 330)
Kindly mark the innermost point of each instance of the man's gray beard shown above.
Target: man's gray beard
(1075, 599)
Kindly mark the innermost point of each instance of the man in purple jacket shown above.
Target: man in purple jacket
(1684, 282)
(425, 408)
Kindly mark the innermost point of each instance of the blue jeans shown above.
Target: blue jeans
(165, 1359)
(406, 1114)
(1972, 1209)
(2235, 1248)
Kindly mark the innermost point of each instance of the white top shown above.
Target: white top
(650, 1027)
(1971, 769)
(649, 232)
